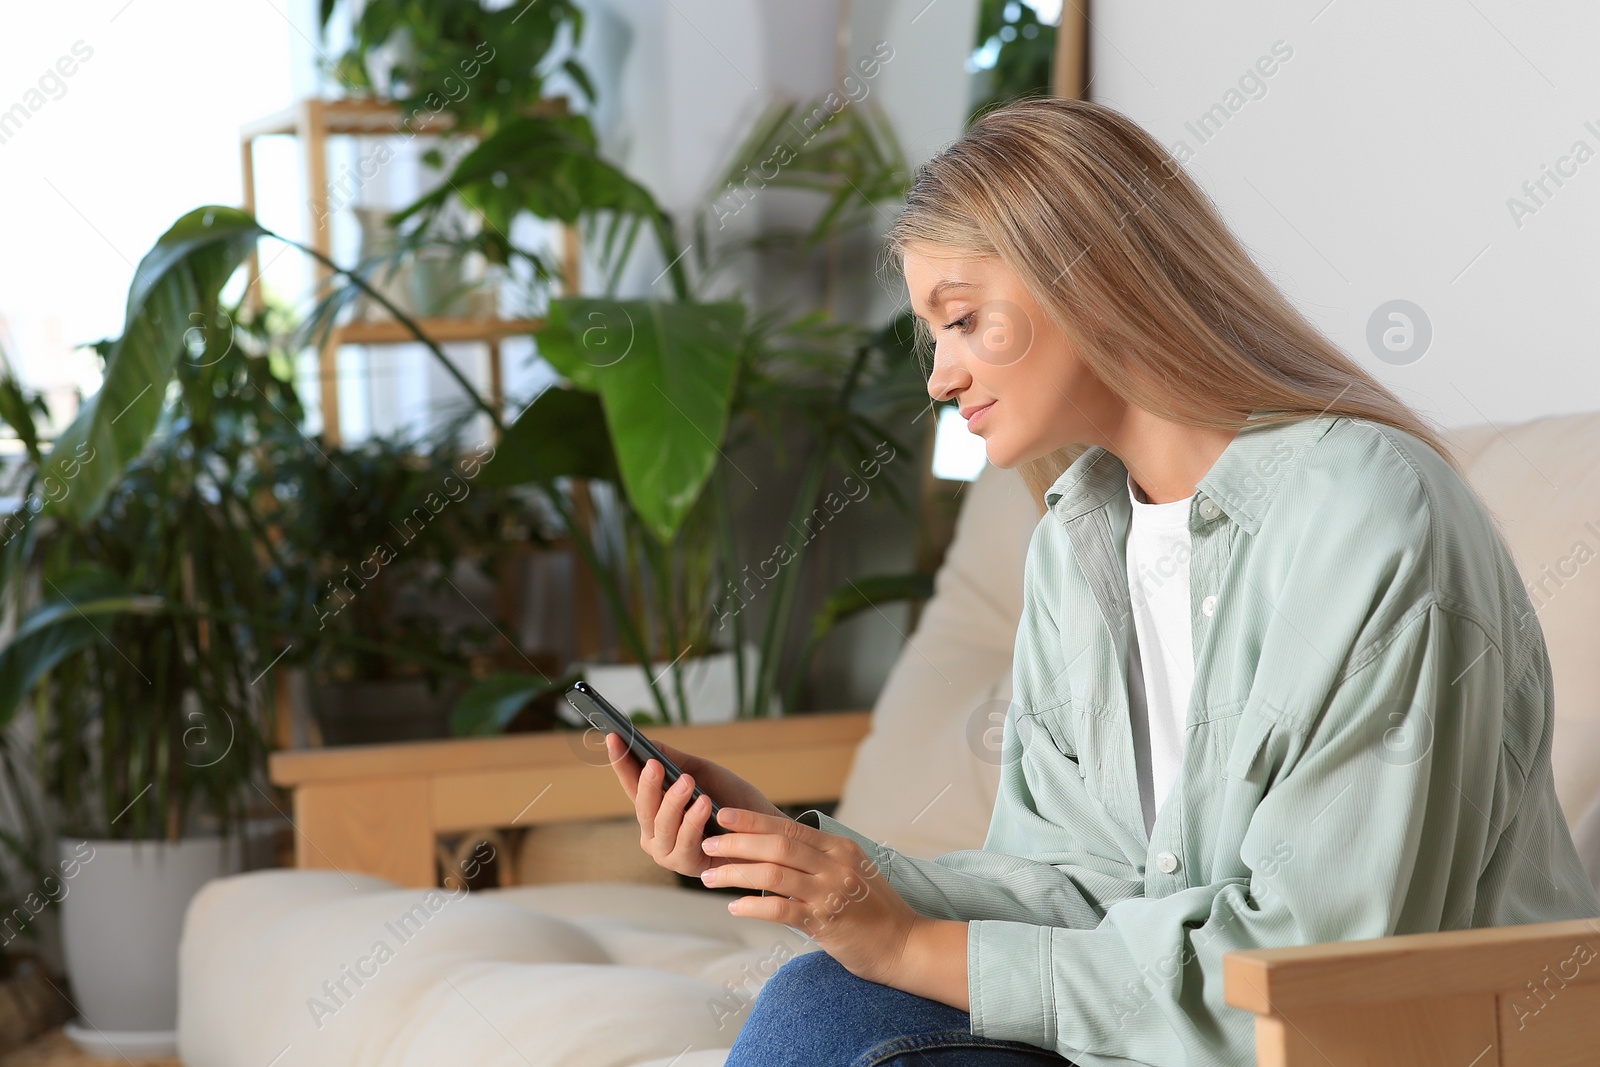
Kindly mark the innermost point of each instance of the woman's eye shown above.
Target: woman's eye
(964, 323)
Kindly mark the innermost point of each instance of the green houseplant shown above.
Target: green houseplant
(1014, 53)
(489, 69)
(138, 532)
(151, 602)
(681, 384)
(728, 371)
(378, 535)
(133, 565)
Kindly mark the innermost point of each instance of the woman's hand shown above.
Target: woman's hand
(825, 886)
(670, 828)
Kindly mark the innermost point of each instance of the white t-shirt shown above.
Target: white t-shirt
(1163, 661)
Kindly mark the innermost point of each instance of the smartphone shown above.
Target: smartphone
(600, 714)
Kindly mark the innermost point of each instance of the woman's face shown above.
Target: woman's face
(1013, 373)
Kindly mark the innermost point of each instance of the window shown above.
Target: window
(116, 117)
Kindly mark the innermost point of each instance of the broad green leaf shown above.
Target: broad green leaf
(863, 593)
(561, 435)
(665, 373)
(580, 78)
(171, 305)
(495, 701)
(859, 595)
(52, 632)
(17, 411)
(548, 165)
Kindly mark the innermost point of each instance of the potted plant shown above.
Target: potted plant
(656, 397)
(488, 70)
(30, 997)
(382, 534)
(152, 600)
(666, 559)
(678, 584)
(144, 598)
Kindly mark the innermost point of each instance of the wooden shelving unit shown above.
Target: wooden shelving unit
(313, 121)
(395, 333)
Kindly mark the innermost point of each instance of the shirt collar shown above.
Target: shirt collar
(1242, 482)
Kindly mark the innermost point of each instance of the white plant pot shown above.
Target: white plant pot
(708, 685)
(121, 918)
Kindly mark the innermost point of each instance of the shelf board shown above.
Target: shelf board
(365, 115)
(352, 116)
(390, 332)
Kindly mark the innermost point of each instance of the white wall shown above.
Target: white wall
(1377, 164)
(680, 82)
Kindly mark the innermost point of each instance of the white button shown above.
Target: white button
(1167, 862)
(1208, 606)
(1209, 509)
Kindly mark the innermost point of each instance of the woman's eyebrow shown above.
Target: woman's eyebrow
(944, 285)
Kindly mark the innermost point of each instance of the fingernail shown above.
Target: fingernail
(710, 844)
(681, 786)
(709, 876)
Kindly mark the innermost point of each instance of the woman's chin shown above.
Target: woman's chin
(998, 454)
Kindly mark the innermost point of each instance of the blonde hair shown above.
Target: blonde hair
(1135, 265)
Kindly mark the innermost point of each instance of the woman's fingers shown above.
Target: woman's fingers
(647, 801)
(773, 877)
(670, 830)
(670, 815)
(774, 909)
(686, 849)
(765, 848)
(623, 764)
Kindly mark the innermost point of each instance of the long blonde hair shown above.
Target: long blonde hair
(1135, 265)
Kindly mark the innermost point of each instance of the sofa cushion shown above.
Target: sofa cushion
(1541, 480)
(313, 967)
(925, 777)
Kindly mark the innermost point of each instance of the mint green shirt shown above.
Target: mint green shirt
(1367, 749)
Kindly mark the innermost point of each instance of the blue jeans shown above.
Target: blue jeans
(814, 1013)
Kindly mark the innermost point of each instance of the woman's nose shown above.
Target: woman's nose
(949, 375)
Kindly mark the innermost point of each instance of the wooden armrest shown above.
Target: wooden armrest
(378, 809)
(1505, 996)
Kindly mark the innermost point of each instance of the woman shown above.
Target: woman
(1276, 678)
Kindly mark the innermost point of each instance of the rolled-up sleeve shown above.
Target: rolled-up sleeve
(977, 883)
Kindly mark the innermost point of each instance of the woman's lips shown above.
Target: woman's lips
(976, 415)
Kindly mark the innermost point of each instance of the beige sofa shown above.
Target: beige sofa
(336, 966)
